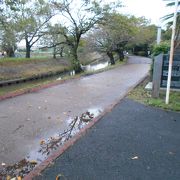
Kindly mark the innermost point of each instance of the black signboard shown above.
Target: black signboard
(175, 78)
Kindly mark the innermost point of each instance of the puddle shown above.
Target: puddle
(47, 146)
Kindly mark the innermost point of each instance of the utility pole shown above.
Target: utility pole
(171, 53)
(159, 35)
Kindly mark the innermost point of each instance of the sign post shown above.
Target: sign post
(171, 53)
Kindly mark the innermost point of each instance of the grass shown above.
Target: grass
(143, 96)
(22, 87)
(22, 59)
(13, 68)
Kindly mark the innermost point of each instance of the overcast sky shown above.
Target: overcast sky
(151, 9)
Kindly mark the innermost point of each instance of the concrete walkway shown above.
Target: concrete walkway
(27, 119)
(133, 142)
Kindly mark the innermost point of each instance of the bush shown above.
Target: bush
(161, 48)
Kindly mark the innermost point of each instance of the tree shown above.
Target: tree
(79, 19)
(8, 36)
(8, 43)
(53, 39)
(31, 19)
(113, 34)
(123, 30)
(144, 37)
(101, 40)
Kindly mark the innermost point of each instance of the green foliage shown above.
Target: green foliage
(24, 20)
(144, 37)
(161, 48)
(166, 34)
(114, 33)
(79, 21)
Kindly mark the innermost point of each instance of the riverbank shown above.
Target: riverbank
(16, 68)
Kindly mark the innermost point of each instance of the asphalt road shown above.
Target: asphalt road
(29, 118)
(133, 142)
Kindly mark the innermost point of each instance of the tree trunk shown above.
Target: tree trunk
(54, 52)
(121, 55)
(28, 48)
(10, 52)
(61, 51)
(75, 61)
(111, 57)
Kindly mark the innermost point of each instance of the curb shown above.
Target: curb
(18, 93)
(35, 89)
(49, 161)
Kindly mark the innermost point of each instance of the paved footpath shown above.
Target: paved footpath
(133, 142)
(28, 118)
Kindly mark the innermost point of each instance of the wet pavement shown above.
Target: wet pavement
(132, 142)
(28, 119)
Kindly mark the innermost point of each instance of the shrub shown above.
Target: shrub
(161, 48)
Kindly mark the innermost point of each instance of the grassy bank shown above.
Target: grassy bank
(13, 68)
(143, 96)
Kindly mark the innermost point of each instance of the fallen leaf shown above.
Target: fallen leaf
(33, 162)
(59, 176)
(135, 157)
(42, 142)
(19, 178)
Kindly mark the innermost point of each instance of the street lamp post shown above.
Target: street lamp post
(159, 35)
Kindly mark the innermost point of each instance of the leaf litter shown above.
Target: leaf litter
(23, 167)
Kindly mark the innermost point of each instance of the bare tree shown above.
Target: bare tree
(79, 17)
(31, 19)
